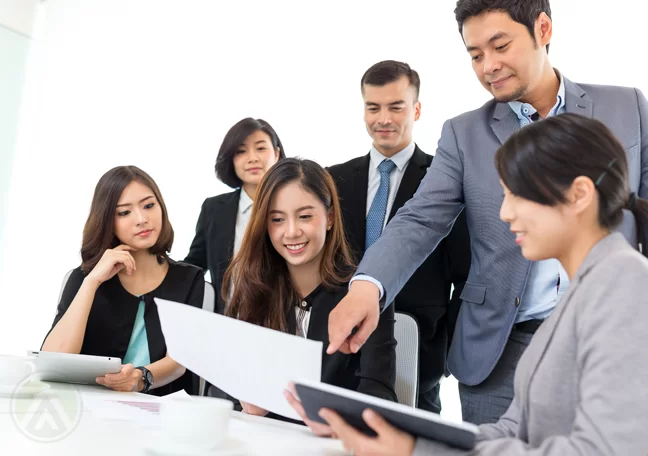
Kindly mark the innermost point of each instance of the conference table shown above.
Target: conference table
(67, 419)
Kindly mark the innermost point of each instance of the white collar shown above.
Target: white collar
(245, 202)
(400, 159)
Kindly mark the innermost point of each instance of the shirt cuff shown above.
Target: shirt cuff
(369, 279)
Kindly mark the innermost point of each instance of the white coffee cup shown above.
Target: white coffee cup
(15, 369)
(197, 422)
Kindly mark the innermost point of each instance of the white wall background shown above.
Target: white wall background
(17, 23)
(157, 83)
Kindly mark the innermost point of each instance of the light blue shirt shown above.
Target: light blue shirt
(547, 279)
(137, 353)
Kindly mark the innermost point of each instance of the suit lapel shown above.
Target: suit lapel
(596, 255)
(318, 324)
(576, 100)
(414, 173)
(358, 202)
(225, 236)
(504, 122)
(318, 330)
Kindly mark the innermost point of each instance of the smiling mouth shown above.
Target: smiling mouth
(499, 81)
(296, 247)
(519, 235)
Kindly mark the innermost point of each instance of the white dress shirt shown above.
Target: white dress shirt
(401, 159)
(303, 321)
(242, 219)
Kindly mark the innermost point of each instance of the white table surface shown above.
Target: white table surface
(94, 435)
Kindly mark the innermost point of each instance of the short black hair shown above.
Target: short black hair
(233, 140)
(540, 162)
(524, 12)
(388, 71)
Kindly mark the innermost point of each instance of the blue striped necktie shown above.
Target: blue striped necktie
(377, 212)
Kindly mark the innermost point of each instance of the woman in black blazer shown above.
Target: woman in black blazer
(248, 150)
(107, 306)
(292, 270)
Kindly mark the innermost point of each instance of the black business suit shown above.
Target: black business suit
(112, 316)
(370, 371)
(426, 296)
(212, 248)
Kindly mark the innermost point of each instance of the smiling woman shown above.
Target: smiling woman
(292, 270)
(107, 306)
(248, 150)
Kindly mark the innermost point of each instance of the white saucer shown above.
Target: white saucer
(27, 390)
(163, 446)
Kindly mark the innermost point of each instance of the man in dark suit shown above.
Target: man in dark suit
(373, 187)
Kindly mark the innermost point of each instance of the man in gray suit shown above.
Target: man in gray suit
(506, 297)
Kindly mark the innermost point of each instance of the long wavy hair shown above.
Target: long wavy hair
(258, 277)
(99, 231)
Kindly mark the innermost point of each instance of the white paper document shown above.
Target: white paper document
(248, 362)
(139, 412)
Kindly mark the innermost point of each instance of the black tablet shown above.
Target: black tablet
(349, 405)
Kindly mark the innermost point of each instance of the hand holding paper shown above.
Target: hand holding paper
(246, 361)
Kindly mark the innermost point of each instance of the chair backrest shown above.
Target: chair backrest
(65, 279)
(406, 333)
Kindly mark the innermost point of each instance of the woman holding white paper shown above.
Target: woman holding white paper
(292, 270)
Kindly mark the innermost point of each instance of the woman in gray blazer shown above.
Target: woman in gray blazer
(581, 386)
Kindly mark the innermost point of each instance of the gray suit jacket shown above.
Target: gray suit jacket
(580, 386)
(463, 174)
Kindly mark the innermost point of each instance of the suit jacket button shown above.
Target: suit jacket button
(517, 302)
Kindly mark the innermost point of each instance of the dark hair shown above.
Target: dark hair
(524, 12)
(388, 71)
(540, 162)
(231, 143)
(262, 291)
(99, 230)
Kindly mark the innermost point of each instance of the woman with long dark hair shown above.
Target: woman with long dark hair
(293, 268)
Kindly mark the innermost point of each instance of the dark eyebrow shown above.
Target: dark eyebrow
(495, 37)
(371, 103)
(303, 208)
(140, 202)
